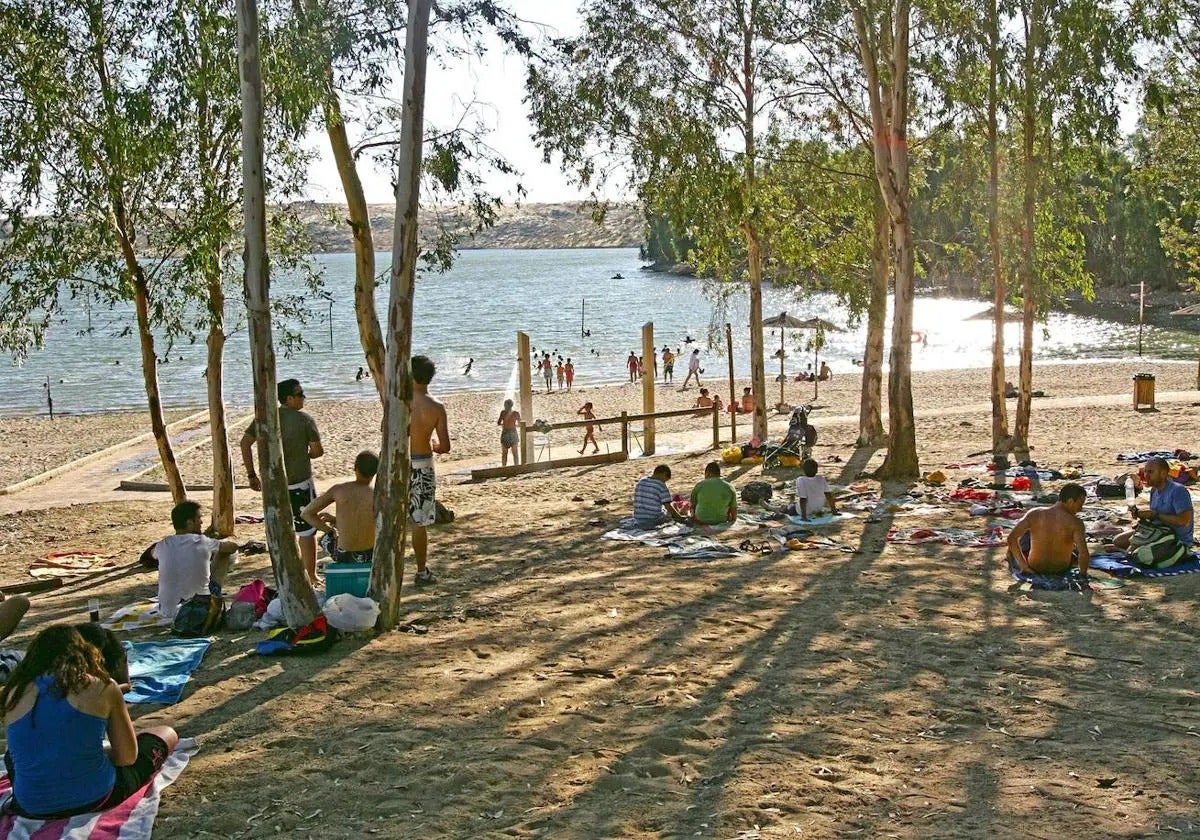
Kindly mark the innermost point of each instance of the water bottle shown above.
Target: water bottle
(1130, 492)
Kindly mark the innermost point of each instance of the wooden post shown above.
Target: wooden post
(732, 383)
(649, 372)
(395, 470)
(525, 384)
(717, 428)
(296, 595)
(625, 432)
(525, 443)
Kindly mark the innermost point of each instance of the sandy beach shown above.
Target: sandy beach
(556, 685)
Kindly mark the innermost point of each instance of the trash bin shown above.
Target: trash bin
(1143, 390)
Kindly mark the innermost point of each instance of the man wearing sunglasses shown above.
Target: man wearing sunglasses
(301, 443)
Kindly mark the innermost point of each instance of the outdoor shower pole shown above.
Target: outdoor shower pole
(732, 386)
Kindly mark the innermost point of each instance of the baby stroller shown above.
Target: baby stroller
(801, 438)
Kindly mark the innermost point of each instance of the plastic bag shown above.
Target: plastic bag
(351, 614)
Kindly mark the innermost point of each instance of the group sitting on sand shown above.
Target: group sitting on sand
(713, 500)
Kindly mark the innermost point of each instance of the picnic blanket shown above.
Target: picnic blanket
(1119, 565)
(136, 616)
(159, 670)
(66, 564)
(960, 537)
(699, 548)
(628, 530)
(133, 819)
(823, 519)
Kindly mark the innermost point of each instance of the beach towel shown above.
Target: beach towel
(627, 530)
(822, 519)
(136, 616)
(1119, 565)
(133, 819)
(959, 537)
(1068, 582)
(247, 519)
(699, 548)
(971, 494)
(1031, 473)
(1139, 457)
(65, 564)
(160, 670)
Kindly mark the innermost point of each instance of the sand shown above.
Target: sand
(554, 685)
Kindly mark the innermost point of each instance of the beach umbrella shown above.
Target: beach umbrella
(783, 321)
(820, 326)
(1193, 311)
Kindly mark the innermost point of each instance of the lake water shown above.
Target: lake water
(475, 310)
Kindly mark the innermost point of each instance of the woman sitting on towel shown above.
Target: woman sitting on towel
(58, 705)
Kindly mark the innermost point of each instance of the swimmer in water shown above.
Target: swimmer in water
(467, 369)
(358, 377)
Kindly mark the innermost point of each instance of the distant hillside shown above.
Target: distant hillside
(527, 226)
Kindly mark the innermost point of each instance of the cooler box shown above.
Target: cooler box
(1143, 390)
(351, 578)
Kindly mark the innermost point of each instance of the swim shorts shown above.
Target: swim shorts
(509, 437)
(422, 488)
(301, 494)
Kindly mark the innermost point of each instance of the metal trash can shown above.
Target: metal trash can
(1143, 390)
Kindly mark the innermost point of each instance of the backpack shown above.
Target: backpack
(442, 514)
(199, 615)
(1155, 546)
(757, 492)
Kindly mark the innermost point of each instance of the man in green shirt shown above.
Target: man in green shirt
(714, 501)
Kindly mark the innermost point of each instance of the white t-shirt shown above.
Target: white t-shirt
(694, 364)
(184, 567)
(813, 491)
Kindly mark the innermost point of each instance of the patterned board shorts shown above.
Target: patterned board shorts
(509, 438)
(300, 495)
(422, 490)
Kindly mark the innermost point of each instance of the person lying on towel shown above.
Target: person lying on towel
(1048, 540)
(59, 704)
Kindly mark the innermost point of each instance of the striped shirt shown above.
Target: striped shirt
(649, 496)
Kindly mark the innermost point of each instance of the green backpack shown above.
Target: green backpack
(1155, 546)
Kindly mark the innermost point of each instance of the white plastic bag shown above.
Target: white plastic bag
(351, 614)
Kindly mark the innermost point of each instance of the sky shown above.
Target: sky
(492, 88)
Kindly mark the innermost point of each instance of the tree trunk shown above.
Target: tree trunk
(295, 593)
(222, 505)
(370, 334)
(758, 369)
(888, 97)
(1028, 223)
(870, 409)
(1001, 442)
(392, 484)
(141, 305)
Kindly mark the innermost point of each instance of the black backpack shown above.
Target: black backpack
(757, 492)
(199, 615)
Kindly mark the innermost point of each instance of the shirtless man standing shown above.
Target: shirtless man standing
(427, 425)
(354, 525)
(1048, 540)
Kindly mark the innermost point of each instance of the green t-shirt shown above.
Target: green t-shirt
(711, 500)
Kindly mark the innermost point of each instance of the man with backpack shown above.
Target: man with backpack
(1165, 531)
(188, 561)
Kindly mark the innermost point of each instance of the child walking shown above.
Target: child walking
(589, 431)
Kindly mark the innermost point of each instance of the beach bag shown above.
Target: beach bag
(1155, 546)
(757, 492)
(1106, 489)
(199, 615)
(350, 614)
(314, 637)
(442, 515)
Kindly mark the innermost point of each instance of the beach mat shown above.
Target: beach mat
(1119, 565)
(627, 530)
(133, 819)
(823, 519)
(136, 616)
(699, 548)
(958, 537)
(67, 564)
(1069, 582)
(159, 670)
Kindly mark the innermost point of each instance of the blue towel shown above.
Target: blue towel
(160, 670)
(1119, 565)
(1051, 583)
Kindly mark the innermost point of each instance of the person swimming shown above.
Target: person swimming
(466, 370)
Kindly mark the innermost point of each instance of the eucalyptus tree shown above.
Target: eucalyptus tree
(88, 145)
(1070, 57)
(684, 100)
